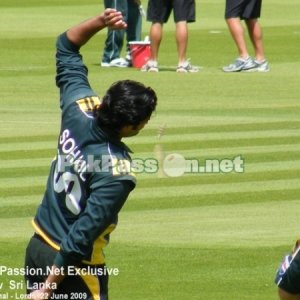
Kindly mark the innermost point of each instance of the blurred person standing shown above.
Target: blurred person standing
(249, 11)
(158, 12)
(131, 10)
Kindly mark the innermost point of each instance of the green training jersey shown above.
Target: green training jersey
(90, 177)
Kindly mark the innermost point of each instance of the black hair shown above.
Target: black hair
(125, 103)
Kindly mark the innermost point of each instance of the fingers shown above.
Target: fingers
(114, 19)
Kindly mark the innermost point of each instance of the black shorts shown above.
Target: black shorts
(39, 259)
(243, 9)
(288, 274)
(159, 11)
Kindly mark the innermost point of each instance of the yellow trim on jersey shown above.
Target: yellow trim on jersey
(44, 236)
(97, 257)
(93, 285)
(88, 104)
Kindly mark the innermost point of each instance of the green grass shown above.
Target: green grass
(199, 236)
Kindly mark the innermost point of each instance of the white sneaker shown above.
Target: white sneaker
(260, 66)
(240, 64)
(187, 67)
(150, 66)
(117, 62)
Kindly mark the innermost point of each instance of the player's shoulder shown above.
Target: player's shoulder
(87, 105)
(81, 106)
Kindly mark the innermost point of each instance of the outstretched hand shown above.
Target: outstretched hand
(114, 19)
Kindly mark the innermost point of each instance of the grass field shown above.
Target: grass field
(199, 236)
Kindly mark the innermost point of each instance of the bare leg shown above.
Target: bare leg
(155, 38)
(237, 32)
(255, 34)
(181, 40)
(283, 295)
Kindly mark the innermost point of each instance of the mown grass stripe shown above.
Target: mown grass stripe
(28, 146)
(273, 166)
(186, 121)
(27, 139)
(20, 200)
(26, 154)
(233, 150)
(15, 227)
(166, 202)
(22, 191)
(25, 163)
(49, 142)
(23, 181)
(233, 111)
(236, 127)
(217, 188)
(19, 211)
(242, 142)
(163, 202)
(24, 172)
(46, 3)
(214, 152)
(229, 178)
(183, 190)
(187, 137)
